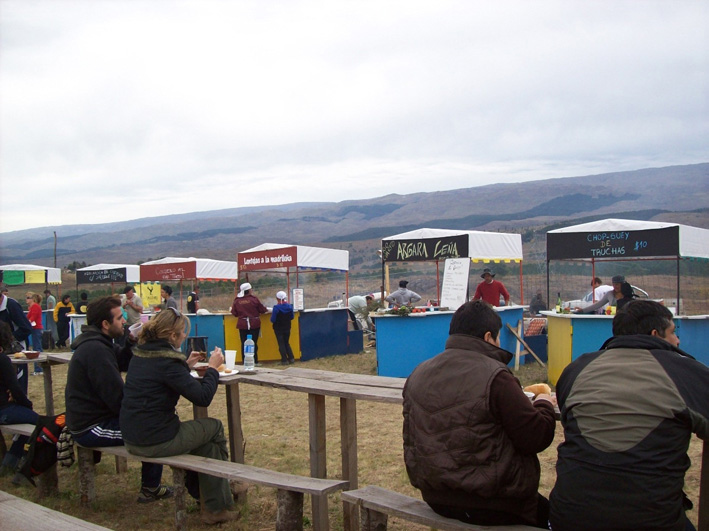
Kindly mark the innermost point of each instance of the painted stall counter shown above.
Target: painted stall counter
(404, 342)
(573, 335)
(267, 344)
(324, 332)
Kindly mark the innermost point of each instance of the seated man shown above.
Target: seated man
(628, 412)
(94, 388)
(471, 436)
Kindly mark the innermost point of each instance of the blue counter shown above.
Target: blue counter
(404, 342)
(324, 332)
(573, 335)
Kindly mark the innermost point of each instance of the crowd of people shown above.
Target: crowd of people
(470, 434)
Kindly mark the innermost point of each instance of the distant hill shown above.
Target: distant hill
(677, 194)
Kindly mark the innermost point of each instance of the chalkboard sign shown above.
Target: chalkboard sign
(613, 244)
(425, 249)
(455, 283)
(101, 276)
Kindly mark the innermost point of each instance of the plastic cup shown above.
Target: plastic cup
(135, 329)
(230, 358)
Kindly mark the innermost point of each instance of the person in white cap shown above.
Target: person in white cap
(247, 310)
(281, 318)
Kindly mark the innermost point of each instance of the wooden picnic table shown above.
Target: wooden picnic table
(317, 384)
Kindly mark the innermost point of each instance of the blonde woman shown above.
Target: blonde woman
(158, 375)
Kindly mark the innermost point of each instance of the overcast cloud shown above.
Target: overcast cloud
(115, 110)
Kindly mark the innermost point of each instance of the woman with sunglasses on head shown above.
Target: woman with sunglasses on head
(158, 375)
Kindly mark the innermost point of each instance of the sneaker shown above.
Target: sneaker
(38, 373)
(160, 492)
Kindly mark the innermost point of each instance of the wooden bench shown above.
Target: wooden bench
(291, 488)
(376, 504)
(16, 513)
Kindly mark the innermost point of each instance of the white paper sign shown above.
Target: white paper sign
(298, 299)
(455, 282)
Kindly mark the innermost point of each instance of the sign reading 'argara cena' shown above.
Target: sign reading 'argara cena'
(425, 249)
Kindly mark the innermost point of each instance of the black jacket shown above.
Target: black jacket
(628, 413)
(9, 386)
(94, 386)
(157, 377)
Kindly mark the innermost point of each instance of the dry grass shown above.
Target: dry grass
(275, 425)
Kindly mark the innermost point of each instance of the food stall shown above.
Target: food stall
(316, 332)
(571, 335)
(405, 341)
(215, 328)
(21, 274)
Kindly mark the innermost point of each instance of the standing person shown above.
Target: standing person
(471, 436)
(358, 309)
(133, 305)
(166, 294)
(281, 317)
(628, 412)
(599, 291)
(157, 377)
(61, 317)
(15, 407)
(193, 300)
(247, 308)
(34, 316)
(490, 290)
(94, 388)
(611, 298)
(537, 305)
(403, 296)
(83, 303)
(11, 313)
(51, 323)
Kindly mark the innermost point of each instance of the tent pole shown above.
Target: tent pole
(677, 309)
(548, 300)
(347, 286)
(593, 278)
(521, 285)
(381, 290)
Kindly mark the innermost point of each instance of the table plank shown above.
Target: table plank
(343, 377)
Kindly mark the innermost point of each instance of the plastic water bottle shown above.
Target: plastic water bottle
(249, 348)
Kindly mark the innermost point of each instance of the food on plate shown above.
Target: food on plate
(538, 389)
(227, 370)
(18, 356)
(221, 368)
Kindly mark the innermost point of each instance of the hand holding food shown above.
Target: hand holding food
(195, 356)
(216, 358)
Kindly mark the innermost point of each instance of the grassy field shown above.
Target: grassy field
(275, 425)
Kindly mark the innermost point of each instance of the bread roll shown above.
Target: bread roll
(538, 389)
(221, 368)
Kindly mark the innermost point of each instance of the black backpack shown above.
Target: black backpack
(42, 446)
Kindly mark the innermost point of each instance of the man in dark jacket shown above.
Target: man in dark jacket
(471, 436)
(94, 388)
(629, 411)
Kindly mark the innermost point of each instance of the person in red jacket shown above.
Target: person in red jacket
(490, 289)
(247, 309)
(34, 316)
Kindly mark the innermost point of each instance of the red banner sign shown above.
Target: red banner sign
(269, 259)
(176, 271)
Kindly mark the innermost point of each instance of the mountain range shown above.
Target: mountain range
(678, 194)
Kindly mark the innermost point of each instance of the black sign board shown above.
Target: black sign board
(101, 276)
(420, 250)
(613, 244)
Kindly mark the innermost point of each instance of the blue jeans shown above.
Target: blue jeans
(14, 414)
(37, 345)
(108, 433)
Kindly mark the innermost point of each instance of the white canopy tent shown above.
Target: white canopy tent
(282, 258)
(108, 273)
(174, 268)
(438, 244)
(626, 239)
(15, 274)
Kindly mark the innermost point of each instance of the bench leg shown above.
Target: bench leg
(178, 479)
(3, 446)
(237, 444)
(318, 458)
(87, 475)
(373, 520)
(121, 465)
(290, 511)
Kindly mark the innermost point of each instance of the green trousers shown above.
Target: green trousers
(203, 437)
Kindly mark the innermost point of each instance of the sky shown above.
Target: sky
(117, 110)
